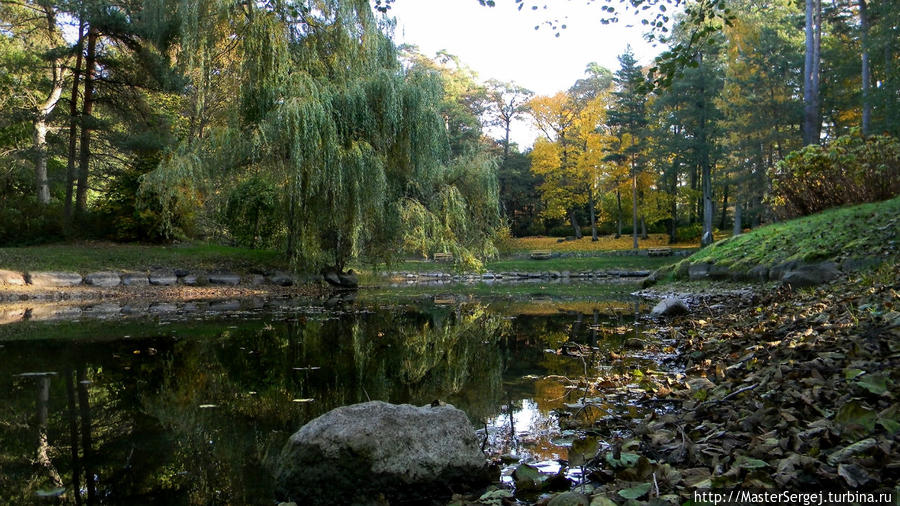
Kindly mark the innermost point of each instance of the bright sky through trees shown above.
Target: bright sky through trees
(501, 42)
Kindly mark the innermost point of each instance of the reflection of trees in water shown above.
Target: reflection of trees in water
(399, 356)
(135, 422)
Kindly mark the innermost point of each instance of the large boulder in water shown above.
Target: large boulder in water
(375, 452)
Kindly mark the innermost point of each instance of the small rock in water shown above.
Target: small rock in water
(670, 306)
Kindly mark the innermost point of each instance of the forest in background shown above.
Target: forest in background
(300, 126)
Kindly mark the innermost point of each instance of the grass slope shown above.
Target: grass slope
(867, 230)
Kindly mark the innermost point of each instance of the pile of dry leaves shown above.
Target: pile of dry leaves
(796, 392)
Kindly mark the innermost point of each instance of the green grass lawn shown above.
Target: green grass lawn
(94, 256)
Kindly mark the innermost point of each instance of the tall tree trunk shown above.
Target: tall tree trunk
(506, 142)
(85, 409)
(673, 228)
(738, 228)
(811, 119)
(41, 117)
(72, 417)
(865, 70)
(707, 237)
(644, 235)
(573, 220)
(40, 161)
(618, 213)
(86, 120)
(73, 124)
(705, 170)
(634, 213)
(724, 208)
(43, 445)
(594, 237)
(44, 109)
(697, 205)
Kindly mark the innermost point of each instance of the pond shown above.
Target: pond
(188, 403)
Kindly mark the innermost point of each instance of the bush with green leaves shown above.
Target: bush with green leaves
(252, 213)
(850, 170)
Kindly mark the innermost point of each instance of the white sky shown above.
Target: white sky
(501, 42)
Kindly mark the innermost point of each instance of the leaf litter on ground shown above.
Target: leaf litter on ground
(784, 391)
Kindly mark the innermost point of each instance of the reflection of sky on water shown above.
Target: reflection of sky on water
(533, 429)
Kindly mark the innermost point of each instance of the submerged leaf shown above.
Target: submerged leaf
(635, 492)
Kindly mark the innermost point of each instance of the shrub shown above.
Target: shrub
(851, 170)
(689, 232)
(25, 221)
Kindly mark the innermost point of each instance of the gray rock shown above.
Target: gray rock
(134, 279)
(181, 272)
(189, 280)
(53, 279)
(554, 274)
(106, 308)
(811, 275)
(698, 271)
(256, 280)
(224, 278)
(163, 278)
(104, 278)
(719, 272)
(281, 279)
(225, 305)
(47, 312)
(136, 308)
(349, 279)
(778, 271)
(856, 264)
(332, 278)
(11, 278)
(681, 272)
(758, 273)
(670, 306)
(354, 454)
(162, 307)
(650, 280)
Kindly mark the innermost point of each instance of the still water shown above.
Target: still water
(189, 403)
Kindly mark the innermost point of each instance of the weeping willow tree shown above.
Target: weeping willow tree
(354, 142)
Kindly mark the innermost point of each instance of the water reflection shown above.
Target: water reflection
(179, 410)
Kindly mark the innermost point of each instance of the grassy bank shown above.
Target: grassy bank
(864, 231)
(95, 256)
